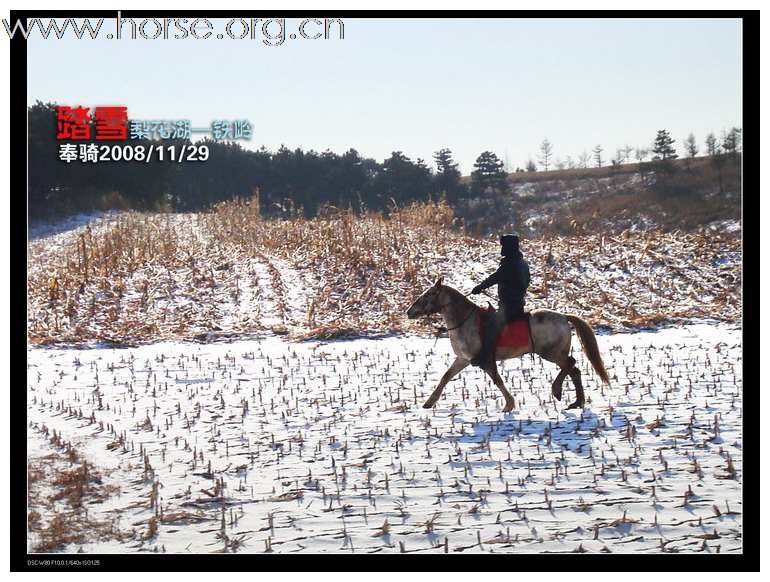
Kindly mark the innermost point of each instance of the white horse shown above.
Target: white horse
(550, 339)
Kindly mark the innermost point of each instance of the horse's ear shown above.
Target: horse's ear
(439, 281)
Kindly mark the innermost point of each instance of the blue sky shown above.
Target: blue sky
(419, 85)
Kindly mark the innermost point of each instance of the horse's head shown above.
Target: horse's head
(428, 303)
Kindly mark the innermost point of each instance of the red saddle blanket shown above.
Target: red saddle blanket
(513, 335)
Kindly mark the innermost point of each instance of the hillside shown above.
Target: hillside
(611, 199)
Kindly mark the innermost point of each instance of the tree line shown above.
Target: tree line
(300, 178)
(662, 149)
(305, 179)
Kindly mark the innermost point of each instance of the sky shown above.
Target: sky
(419, 85)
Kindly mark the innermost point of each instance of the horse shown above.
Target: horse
(550, 337)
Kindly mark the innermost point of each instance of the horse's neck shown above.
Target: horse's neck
(457, 307)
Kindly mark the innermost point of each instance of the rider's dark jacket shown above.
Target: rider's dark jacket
(512, 280)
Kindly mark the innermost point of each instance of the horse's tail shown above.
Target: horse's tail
(590, 347)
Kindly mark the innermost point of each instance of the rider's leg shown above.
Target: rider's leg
(492, 328)
(492, 325)
(515, 311)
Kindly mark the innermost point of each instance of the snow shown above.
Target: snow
(75, 223)
(318, 444)
(733, 226)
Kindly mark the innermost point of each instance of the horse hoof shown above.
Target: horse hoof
(428, 404)
(508, 407)
(575, 405)
(557, 395)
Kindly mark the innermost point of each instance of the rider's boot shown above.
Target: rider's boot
(486, 356)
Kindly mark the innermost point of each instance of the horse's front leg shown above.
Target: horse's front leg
(493, 373)
(457, 366)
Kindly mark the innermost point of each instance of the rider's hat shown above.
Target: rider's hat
(509, 245)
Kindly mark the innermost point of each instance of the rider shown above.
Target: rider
(512, 280)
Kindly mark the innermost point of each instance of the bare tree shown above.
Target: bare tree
(718, 159)
(691, 146)
(627, 151)
(620, 157)
(546, 151)
(731, 142)
(712, 146)
(583, 159)
(641, 155)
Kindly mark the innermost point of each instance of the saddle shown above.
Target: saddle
(515, 334)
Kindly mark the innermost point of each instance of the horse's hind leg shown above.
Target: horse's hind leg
(574, 373)
(556, 387)
(493, 373)
(568, 367)
(457, 366)
(555, 337)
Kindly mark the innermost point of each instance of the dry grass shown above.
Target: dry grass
(76, 484)
(359, 270)
(128, 279)
(62, 492)
(362, 271)
(147, 277)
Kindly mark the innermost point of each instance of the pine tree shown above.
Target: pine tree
(448, 175)
(488, 174)
(663, 147)
(445, 164)
(402, 180)
(664, 152)
(598, 155)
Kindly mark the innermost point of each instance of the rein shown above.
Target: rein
(471, 311)
(467, 317)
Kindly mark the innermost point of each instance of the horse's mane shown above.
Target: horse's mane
(460, 296)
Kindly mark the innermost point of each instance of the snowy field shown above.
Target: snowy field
(269, 446)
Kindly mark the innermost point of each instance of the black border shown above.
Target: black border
(747, 561)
